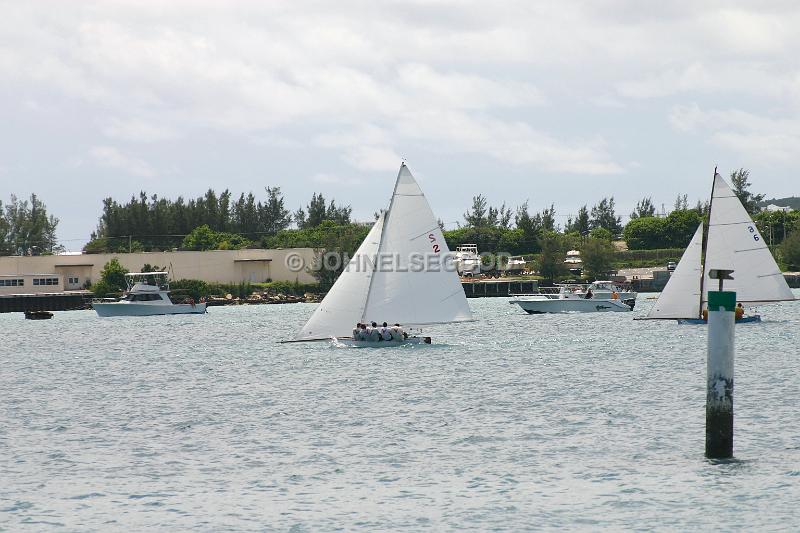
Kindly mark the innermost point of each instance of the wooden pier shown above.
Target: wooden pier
(62, 301)
(499, 287)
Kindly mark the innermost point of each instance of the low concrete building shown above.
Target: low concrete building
(75, 272)
(30, 284)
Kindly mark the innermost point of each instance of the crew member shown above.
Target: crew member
(397, 332)
(386, 333)
(739, 311)
(374, 333)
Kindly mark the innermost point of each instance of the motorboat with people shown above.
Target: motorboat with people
(732, 243)
(147, 294)
(574, 298)
(402, 271)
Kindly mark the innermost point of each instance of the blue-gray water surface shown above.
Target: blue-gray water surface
(513, 422)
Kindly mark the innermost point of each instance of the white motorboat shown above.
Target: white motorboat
(732, 243)
(467, 261)
(147, 294)
(402, 273)
(572, 299)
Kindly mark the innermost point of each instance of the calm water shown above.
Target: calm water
(517, 422)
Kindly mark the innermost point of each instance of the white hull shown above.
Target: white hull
(380, 344)
(146, 309)
(571, 305)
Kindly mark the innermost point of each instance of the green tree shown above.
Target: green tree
(477, 216)
(645, 233)
(551, 259)
(602, 234)
(790, 250)
(603, 216)
(598, 257)
(27, 228)
(275, 215)
(679, 227)
(644, 208)
(201, 238)
(740, 181)
(581, 224)
(318, 212)
(112, 279)
(204, 238)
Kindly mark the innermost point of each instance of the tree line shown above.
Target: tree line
(212, 221)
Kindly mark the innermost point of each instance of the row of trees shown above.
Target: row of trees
(26, 228)
(150, 222)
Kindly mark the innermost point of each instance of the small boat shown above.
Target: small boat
(402, 273)
(38, 315)
(699, 321)
(572, 299)
(147, 295)
(380, 344)
(467, 261)
(733, 243)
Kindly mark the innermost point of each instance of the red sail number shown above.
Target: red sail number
(435, 246)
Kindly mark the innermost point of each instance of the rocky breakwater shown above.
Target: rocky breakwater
(266, 297)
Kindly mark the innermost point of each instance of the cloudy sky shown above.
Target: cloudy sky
(553, 102)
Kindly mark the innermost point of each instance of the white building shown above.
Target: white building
(57, 273)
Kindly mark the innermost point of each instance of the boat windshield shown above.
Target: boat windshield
(156, 279)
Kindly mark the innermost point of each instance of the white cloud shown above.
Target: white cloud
(334, 179)
(761, 138)
(111, 157)
(139, 131)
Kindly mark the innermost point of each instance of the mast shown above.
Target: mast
(380, 243)
(705, 245)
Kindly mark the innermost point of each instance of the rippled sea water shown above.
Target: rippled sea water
(513, 422)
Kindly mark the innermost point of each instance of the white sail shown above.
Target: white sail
(400, 273)
(343, 306)
(734, 243)
(417, 283)
(681, 296)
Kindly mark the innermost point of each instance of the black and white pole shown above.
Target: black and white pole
(719, 385)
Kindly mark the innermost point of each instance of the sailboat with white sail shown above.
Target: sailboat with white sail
(733, 243)
(402, 273)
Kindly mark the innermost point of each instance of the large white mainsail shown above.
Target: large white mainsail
(681, 296)
(410, 291)
(407, 279)
(734, 243)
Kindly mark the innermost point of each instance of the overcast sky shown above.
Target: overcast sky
(554, 102)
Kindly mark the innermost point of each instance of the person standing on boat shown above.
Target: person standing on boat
(739, 311)
(589, 294)
(357, 332)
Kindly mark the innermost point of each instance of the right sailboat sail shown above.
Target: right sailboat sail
(734, 242)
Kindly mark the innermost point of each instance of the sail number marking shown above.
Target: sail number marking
(753, 231)
(434, 244)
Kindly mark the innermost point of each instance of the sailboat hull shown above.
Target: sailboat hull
(697, 321)
(380, 344)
